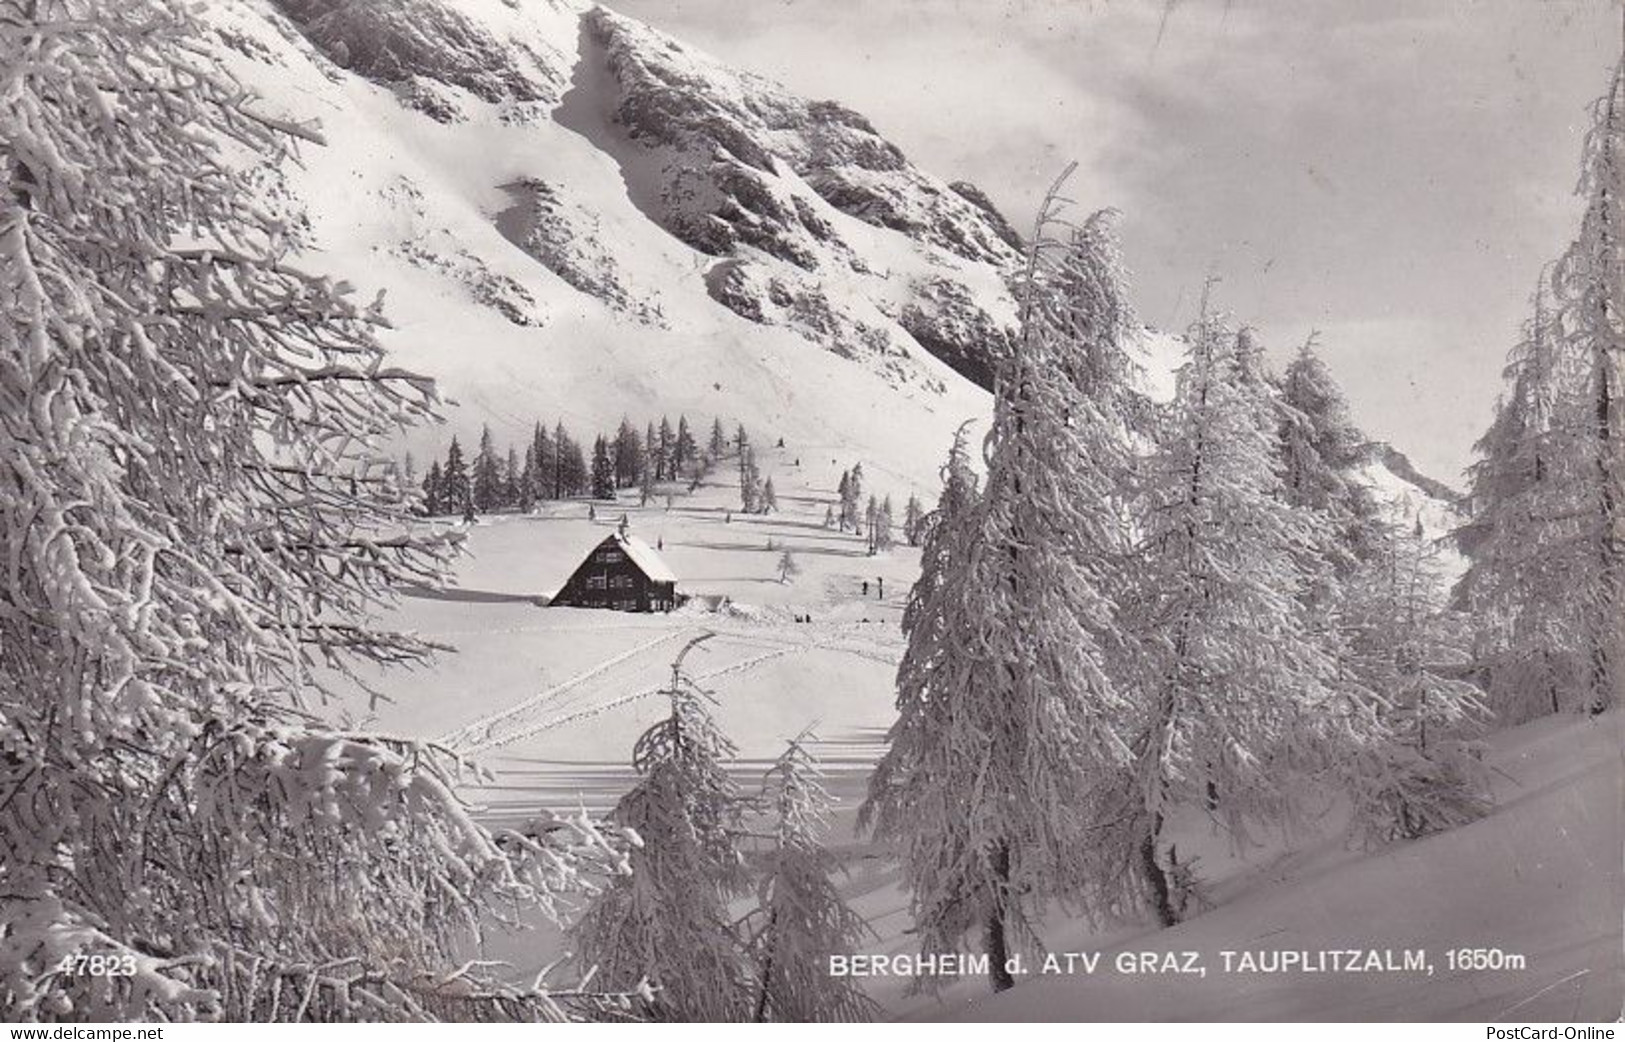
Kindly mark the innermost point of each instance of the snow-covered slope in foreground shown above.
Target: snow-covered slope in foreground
(1540, 878)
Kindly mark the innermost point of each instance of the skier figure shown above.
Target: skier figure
(880, 587)
(866, 587)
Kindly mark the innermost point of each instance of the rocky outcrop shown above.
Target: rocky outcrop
(677, 98)
(562, 237)
(419, 48)
(746, 170)
(1401, 466)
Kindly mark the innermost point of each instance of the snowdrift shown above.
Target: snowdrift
(1541, 878)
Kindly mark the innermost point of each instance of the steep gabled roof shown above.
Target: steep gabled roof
(644, 556)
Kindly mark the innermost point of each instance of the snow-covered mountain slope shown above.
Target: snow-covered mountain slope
(1413, 499)
(576, 217)
(492, 166)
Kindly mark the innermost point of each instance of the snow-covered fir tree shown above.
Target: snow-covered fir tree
(851, 494)
(486, 478)
(1545, 542)
(913, 517)
(770, 497)
(564, 451)
(800, 919)
(573, 478)
(457, 494)
(603, 470)
(540, 464)
(1521, 541)
(881, 530)
(1589, 282)
(1009, 715)
(433, 502)
(200, 519)
(663, 445)
(626, 450)
(1320, 447)
(1235, 680)
(667, 923)
(646, 485)
(684, 450)
(1418, 767)
(788, 566)
(515, 488)
(750, 481)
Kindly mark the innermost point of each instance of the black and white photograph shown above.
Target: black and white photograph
(812, 511)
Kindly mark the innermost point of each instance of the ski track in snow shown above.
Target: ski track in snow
(458, 739)
(494, 741)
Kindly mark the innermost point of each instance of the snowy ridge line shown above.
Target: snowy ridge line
(584, 714)
(486, 723)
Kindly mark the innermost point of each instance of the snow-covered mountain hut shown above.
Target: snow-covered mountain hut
(624, 573)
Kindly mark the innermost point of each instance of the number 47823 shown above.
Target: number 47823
(83, 965)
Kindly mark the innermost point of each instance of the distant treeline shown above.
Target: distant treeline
(554, 465)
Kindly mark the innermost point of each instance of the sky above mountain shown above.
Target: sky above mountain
(1391, 173)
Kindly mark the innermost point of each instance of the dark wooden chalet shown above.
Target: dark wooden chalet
(624, 573)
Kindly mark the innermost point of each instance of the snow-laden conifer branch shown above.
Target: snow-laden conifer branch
(193, 519)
